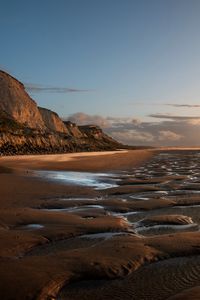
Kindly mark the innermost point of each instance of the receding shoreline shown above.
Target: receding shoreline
(87, 161)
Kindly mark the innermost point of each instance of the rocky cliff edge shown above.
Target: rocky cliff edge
(26, 128)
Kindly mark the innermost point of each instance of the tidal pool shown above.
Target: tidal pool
(31, 226)
(95, 180)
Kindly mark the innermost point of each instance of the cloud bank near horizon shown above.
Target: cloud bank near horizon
(169, 131)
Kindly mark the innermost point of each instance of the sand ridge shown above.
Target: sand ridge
(57, 235)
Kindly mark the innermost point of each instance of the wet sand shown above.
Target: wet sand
(128, 228)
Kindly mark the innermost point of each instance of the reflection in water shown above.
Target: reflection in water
(96, 180)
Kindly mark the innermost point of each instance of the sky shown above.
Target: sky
(130, 66)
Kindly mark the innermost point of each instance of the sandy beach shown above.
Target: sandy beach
(121, 225)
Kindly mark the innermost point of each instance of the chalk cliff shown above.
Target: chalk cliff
(15, 101)
(26, 128)
(52, 120)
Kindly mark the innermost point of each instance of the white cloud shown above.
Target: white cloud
(169, 131)
(169, 135)
(194, 121)
(81, 118)
(133, 136)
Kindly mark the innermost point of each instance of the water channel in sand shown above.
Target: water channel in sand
(95, 180)
(174, 177)
(127, 235)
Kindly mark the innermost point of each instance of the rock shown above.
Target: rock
(26, 128)
(52, 120)
(15, 101)
(73, 129)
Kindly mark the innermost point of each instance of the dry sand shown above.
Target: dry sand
(85, 161)
(133, 241)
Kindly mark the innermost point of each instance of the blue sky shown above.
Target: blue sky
(122, 58)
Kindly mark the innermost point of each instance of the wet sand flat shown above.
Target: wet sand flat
(121, 225)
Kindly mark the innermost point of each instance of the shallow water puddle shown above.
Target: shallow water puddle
(78, 199)
(75, 208)
(165, 228)
(161, 166)
(96, 180)
(31, 226)
(103, 235)
(129, 213)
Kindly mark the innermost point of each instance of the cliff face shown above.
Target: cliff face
(26, 128)
(93, 131)
(15, 101)
(52, 120)
(73, 129)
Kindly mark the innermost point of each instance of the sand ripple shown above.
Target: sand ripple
(170, 277)
(109, 243)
